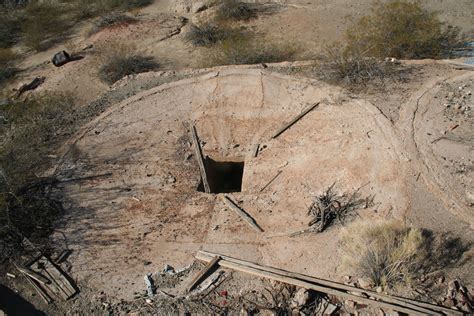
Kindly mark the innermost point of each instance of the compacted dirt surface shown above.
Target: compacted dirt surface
(406, 149)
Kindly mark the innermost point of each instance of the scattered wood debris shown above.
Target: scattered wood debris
(329, 206)
(232, 205)
(203, 273)
(293, 121)
(328, 287)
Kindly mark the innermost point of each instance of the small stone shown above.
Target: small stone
(441, 279)
(365, 284)
(379, 289)
(450, 302)
(350, 304)
(300, 298)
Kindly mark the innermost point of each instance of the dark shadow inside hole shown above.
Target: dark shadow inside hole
(223, 176)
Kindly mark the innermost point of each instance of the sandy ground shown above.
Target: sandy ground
(149, 209)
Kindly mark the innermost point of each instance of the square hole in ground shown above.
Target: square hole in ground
(223, 176)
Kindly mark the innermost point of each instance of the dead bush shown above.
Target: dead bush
(7, 65)
(246, 49)
(235, 10)
(210, 33)
(390, 253)
(348, 65)
(10, 27)
(403, 29)
(122, 61)
(111, 20)
(46, 22)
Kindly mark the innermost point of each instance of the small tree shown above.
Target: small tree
(403, 30)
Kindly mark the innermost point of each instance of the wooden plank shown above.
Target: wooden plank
(296, 119)
(42, 293)
(341, 286)
(34, 275)
(200, 276)
(60, 284)
(200, 159)
(255, 150)
(271, 181)
(228, 201)
(421, 307)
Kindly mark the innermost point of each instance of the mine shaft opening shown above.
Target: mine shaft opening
(223, 176)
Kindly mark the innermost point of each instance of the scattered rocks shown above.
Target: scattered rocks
(301, 298)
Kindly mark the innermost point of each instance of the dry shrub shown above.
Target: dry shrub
(243, 50)
(121, 61)
(10, 27)
(235, 10)
(46, 22)
(111, 20)
(7, 65)
(390, 253)
(386, 252)
(348, 65)
(403, 29)
(211, 33)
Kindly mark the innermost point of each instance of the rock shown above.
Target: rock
(330, 309)
(450, 302)
(350, 304)
(347, 279)
(365, 284)
(199, 6)
(379, 289)
(61, 58)
(440, 279)
(300, 298)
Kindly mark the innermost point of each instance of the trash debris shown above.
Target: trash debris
(32, 85)
(61, 58)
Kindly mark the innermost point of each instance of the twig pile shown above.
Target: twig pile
(329, 206)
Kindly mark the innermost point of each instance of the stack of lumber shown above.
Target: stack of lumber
(343, 291)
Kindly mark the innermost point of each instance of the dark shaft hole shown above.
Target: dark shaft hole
(223, 176)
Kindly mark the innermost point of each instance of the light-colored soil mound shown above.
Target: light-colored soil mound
(149, 209)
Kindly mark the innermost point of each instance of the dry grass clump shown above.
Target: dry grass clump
(403, 29)
(7, 67)
(210, 33)
(242, 50)
(10, 26)
(110, 20)
(235, 10)
(386, 252)
(122, 61)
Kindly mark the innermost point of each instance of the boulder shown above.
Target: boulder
(61, 58)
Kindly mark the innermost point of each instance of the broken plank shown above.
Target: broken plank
(296, 119)
(329, 286)
(200, 276)
(199, 157)
(228, 201)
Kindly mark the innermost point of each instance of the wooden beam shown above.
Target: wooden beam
(34, 275)
(232, 205)
(46, 298)
(200, 159)
(334, 288)
(200, 276)
(296, 119)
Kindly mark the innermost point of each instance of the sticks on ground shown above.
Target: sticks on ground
(329, 206)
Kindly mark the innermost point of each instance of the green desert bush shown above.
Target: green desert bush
(403, 29)
(121, 61)
(235, 10)
(386, 252)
